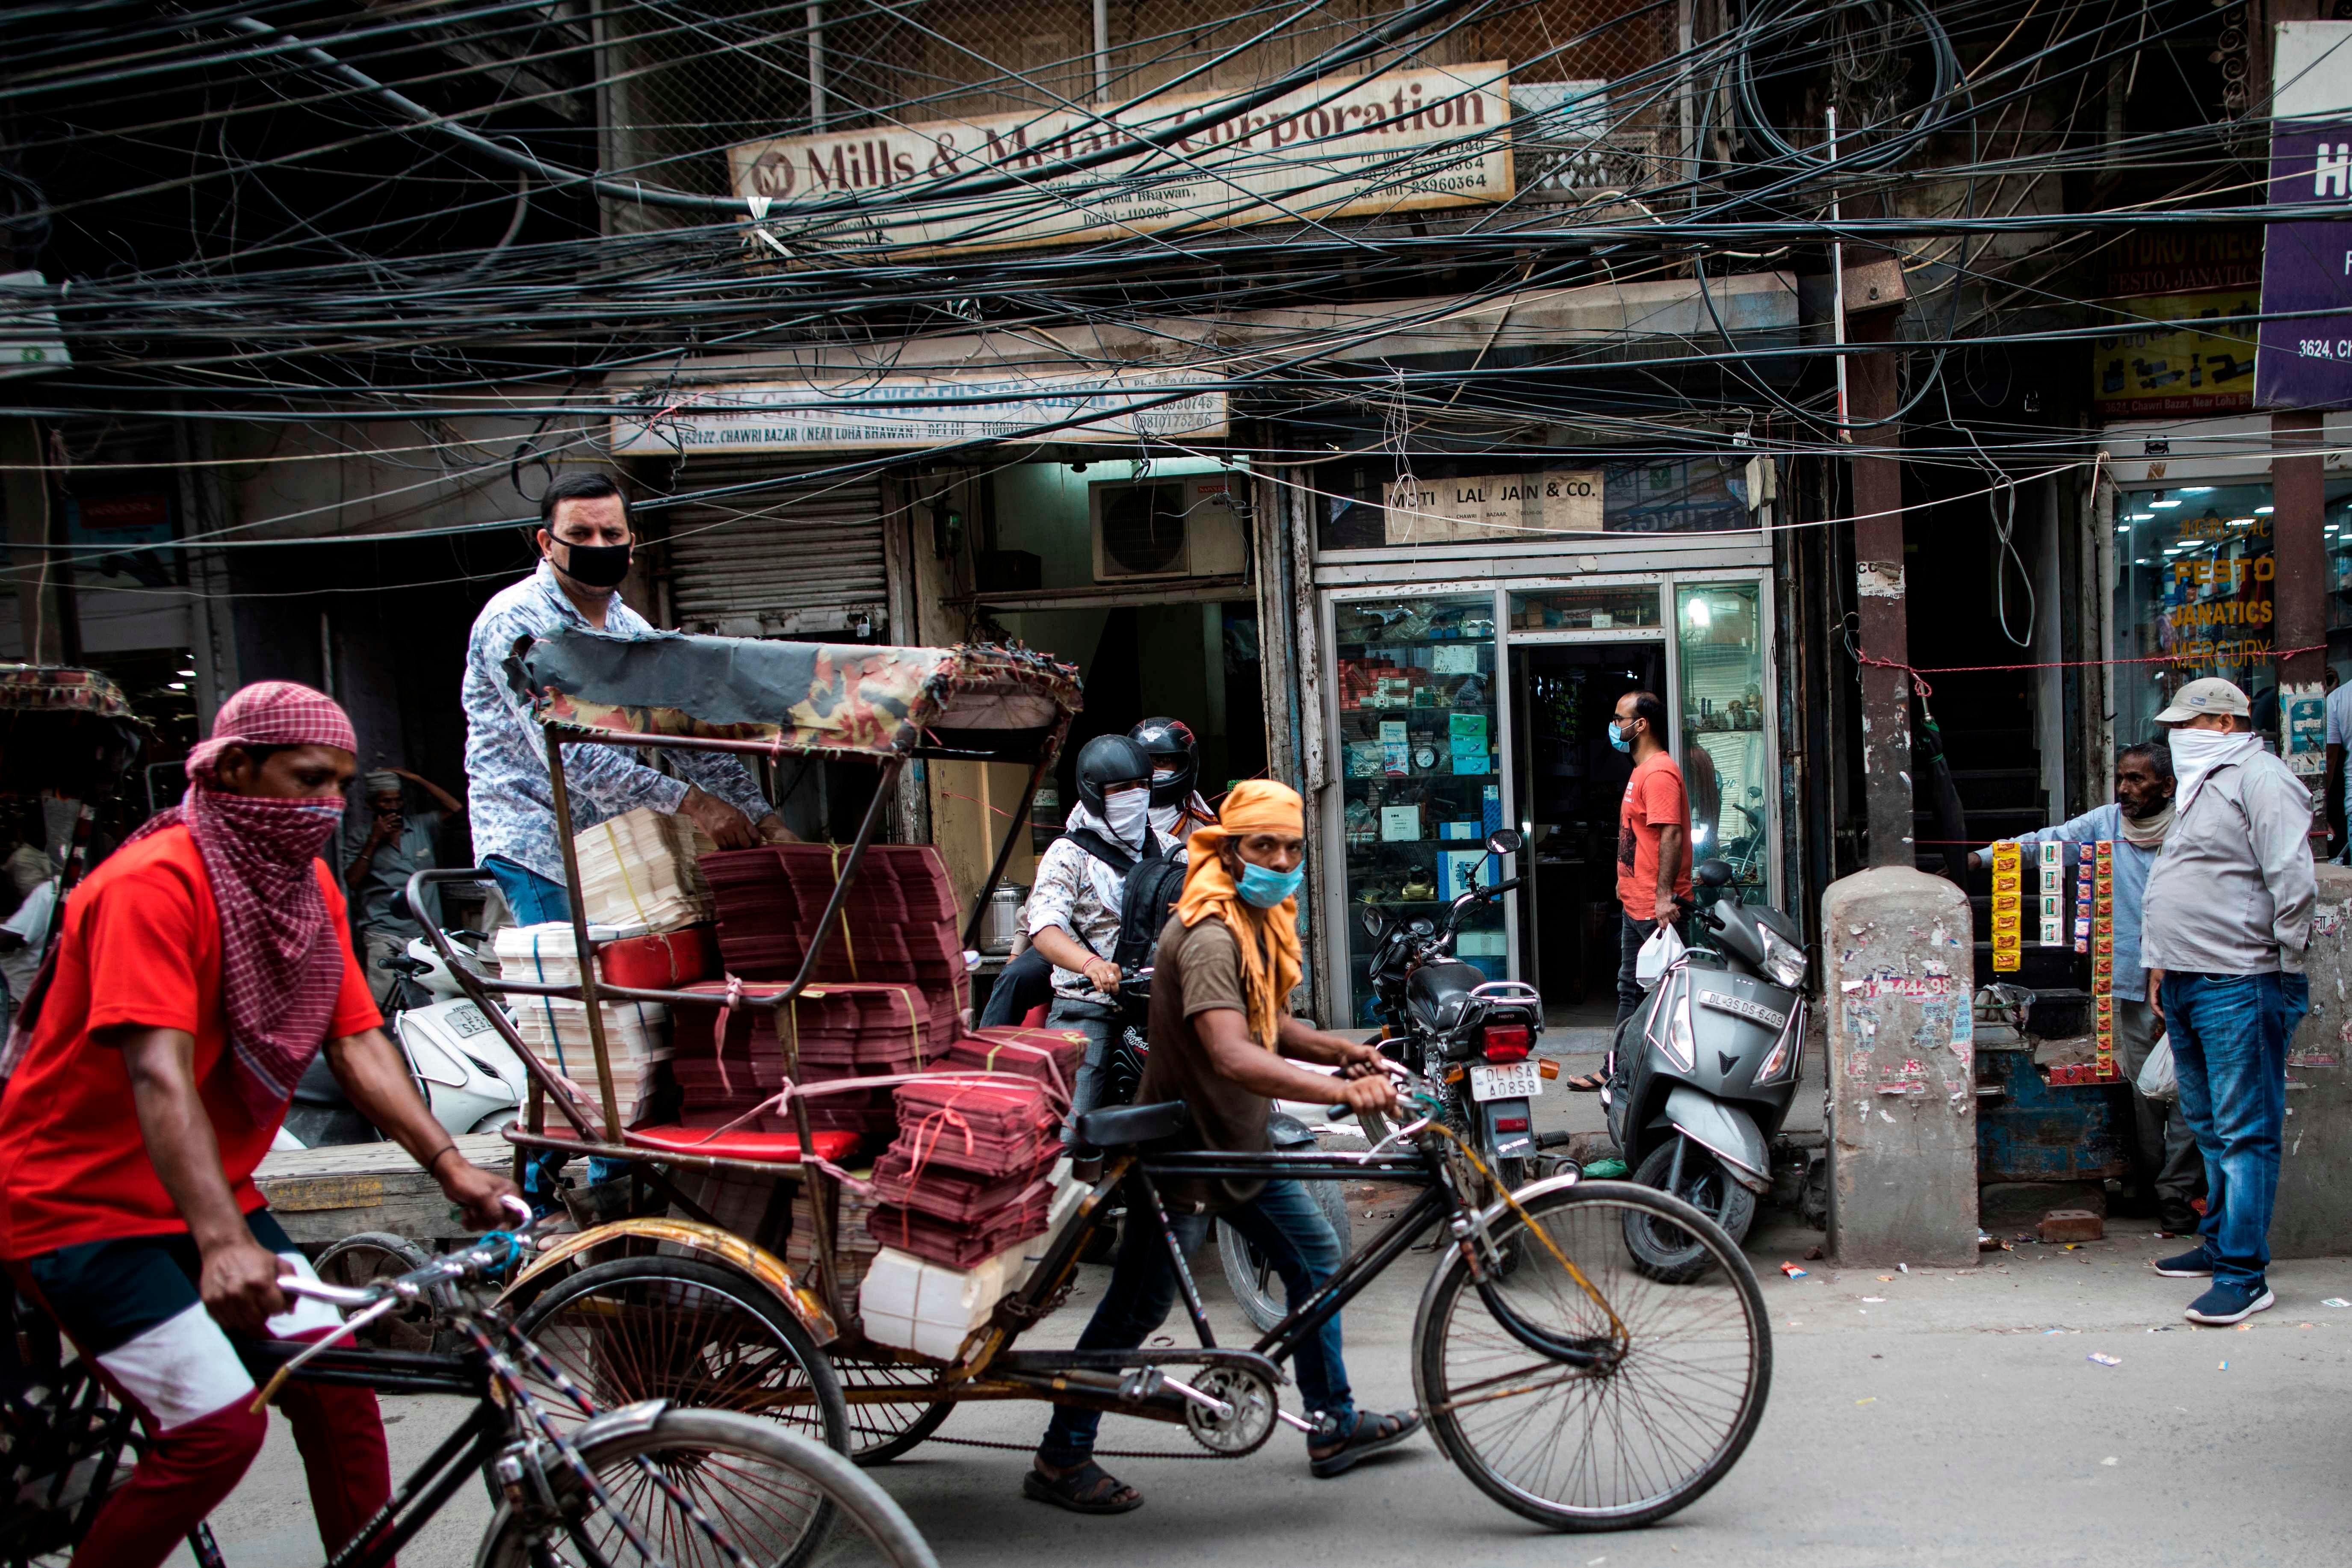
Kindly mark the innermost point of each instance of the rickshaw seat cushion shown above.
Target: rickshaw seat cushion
(1121, 1126)
(744, 1144)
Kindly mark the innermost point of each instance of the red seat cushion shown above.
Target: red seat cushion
(744, 1144)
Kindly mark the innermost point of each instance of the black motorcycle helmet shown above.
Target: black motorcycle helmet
(1108, 760)
(1170, 745)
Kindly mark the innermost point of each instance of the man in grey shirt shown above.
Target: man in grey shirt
(2228, 916)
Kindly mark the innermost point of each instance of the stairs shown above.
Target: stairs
(1997, 769)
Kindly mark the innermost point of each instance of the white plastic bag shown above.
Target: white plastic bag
(2157, 1080)
(1659, 953)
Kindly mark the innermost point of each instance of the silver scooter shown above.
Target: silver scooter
(1703, 1074)
(468, 1074)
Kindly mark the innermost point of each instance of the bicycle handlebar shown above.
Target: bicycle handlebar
(475, 1260)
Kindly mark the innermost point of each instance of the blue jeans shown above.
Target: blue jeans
(2230, 1035)
(1283, 1223)
(535, 899)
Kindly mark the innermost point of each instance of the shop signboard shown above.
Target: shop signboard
(1398, 141)
(920, 411)
(2305, 357)
(1493, 506)
(2183, 306)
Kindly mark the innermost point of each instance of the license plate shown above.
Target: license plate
(465, 1021)
(1520, 1081)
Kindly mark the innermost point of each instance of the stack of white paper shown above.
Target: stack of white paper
(636, 1036)
(639, 869)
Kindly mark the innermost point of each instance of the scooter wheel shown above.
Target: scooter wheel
(1665, 1251)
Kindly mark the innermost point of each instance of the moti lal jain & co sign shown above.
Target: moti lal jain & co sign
(1397, 142)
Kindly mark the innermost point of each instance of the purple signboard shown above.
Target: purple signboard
(2306, 362)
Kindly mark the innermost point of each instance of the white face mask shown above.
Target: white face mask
(1128, 813)
(2197, 753)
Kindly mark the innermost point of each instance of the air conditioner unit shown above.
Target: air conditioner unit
(1185, 525)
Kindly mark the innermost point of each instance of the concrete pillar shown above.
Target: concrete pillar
(1898, 974)
(1880, 605)
(2298, 500)
(2312, 1219)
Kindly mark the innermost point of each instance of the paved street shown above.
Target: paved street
(1945, 1423)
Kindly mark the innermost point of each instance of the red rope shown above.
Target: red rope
(1915, 672)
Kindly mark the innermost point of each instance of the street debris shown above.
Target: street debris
(1873, 1297)
(1872, 1400)
(2106, 1360)
(2111, 1459)
(1814, 1255)
(1792, 1272)
(2335, 1302)
(1903, 1268)
(2225, 1366)
(2071, 1224)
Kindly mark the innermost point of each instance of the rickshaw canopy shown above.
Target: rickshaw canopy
(840, 698)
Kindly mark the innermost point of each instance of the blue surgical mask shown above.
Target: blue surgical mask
(1263, 888)
(1618, 738)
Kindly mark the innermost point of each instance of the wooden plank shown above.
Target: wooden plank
(324, 1195)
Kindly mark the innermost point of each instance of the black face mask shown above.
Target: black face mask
(595, 565)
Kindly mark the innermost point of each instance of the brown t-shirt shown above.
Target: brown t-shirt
(1199, 968)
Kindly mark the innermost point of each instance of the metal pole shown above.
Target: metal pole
(1837, 286)
(588, 987)
(1102, 51)
(816, 67)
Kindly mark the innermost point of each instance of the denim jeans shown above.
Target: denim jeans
(2230, 1035)
(1098, 1023)
(535, 899)
(1285, 1225)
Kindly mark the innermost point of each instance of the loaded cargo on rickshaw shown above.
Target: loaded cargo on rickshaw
(843, 1206)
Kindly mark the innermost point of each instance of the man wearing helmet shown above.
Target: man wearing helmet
(1074, 908)
(1177, 807)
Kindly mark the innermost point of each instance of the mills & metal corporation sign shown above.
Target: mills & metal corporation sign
(1396, 141)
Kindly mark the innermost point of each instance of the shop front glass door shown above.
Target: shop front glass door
(1420, 785)
(1726, 765)
(1571, 787)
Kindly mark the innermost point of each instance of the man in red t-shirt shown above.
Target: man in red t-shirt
(1653, 841)
(198, 972)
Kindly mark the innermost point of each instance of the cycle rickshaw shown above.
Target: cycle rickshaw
(1564, 1384)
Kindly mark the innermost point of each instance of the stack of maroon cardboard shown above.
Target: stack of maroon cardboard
(1049, 1055)
(898, 924)
(966, 1178)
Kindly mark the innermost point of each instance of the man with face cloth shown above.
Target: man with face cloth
(1073, 909)
(585, 547)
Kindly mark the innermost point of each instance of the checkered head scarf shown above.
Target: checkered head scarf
(281, 962)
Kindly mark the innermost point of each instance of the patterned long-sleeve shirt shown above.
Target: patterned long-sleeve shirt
(508, 793)
(1080, 894)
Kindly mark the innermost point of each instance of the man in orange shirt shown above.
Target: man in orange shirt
(200, 970)
(1653, 841)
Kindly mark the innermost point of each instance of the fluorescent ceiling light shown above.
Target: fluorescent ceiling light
(2164, 503)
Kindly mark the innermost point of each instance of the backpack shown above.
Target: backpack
(1153, 882)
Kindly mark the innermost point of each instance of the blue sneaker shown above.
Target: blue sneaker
(2192, 1265)
(2230, 1303)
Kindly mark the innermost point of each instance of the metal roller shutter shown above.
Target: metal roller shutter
(799, 560)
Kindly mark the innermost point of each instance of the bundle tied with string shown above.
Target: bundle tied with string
(643, 868)
(967, 1177)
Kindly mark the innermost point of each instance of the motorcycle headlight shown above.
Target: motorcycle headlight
(1786, 1051)
(1784, 961)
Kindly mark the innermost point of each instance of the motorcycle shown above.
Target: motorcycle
(1703, 1074)
(468, 1074)
(1473, 1037)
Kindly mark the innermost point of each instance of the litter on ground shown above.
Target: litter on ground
(2104, 1359)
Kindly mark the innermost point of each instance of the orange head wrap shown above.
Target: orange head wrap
(1268, 939)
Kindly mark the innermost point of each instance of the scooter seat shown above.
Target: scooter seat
(1123, 1126)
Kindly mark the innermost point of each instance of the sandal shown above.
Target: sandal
(1083, 1488)
(1585, 1083)
(1367, 1435)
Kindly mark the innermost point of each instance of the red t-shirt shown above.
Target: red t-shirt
(1655, 801)
(141, 946)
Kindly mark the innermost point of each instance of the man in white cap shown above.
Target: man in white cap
(380, 853)
(2228, 915)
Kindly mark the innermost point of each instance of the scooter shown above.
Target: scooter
(468, 1074)
(1704, 1073)
(1473, 1037)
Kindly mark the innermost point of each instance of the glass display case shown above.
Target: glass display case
(1421, 768)
(1726, 765)
(1586, 609)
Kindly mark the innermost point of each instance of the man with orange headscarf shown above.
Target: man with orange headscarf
(1220, 1027)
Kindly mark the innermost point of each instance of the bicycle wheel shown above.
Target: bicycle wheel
(776, 1497)
(1256, 1288)
(882, 1431)
(689, 1331)
(374, 1254)
(1629, 1440)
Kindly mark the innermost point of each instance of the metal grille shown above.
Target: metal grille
(692, 80)
(801, 560)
